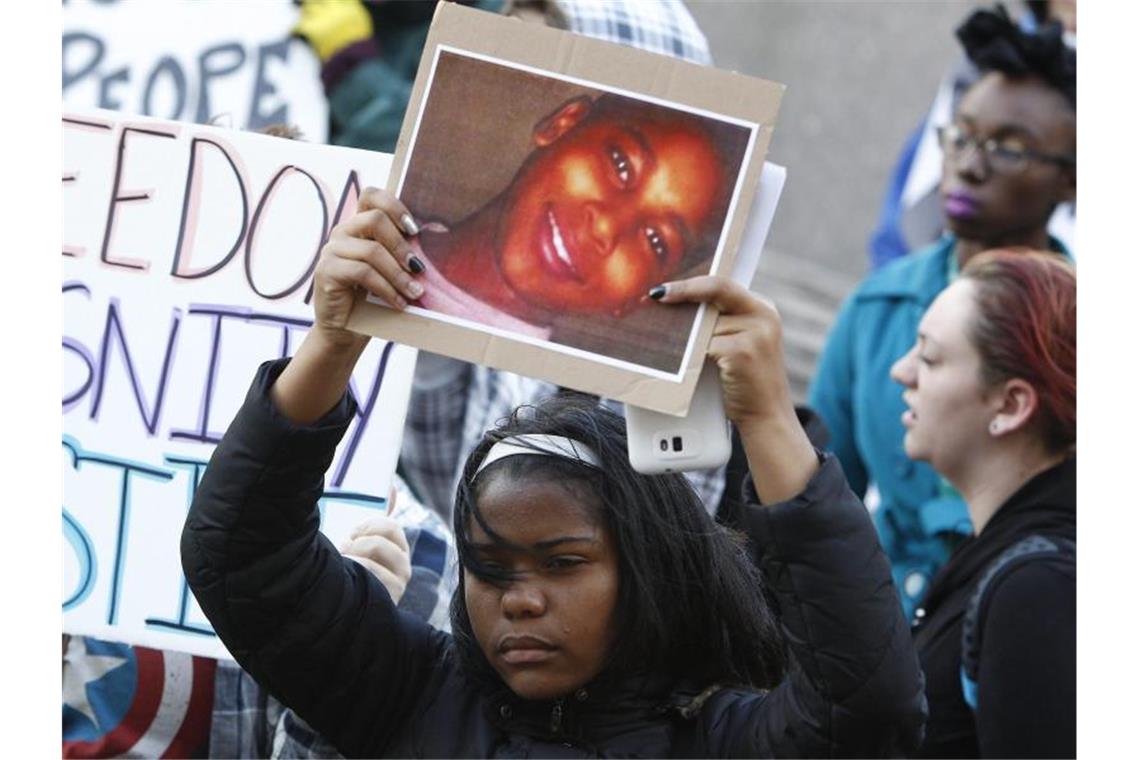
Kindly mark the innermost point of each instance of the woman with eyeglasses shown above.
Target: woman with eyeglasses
(1009, 160)
(990, 390)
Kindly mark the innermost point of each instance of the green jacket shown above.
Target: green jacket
(366, 105)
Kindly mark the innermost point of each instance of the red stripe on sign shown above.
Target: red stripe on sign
(148, 696)
(194, 733)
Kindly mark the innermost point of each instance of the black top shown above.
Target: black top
(1027, 674)
(321, 633)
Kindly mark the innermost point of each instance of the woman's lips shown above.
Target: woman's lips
(555, 256)
(526, 656)
(960, 206)
(525, 650)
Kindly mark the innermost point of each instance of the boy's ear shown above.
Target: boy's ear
(564, 118)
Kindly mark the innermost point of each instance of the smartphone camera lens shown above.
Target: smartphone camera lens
(664, 445)
(677, 443)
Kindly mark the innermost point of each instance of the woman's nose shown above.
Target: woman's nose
(902, 371)
(971, 162)
(523, 599)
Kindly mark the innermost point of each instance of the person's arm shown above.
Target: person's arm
(855, 688)
(307, 623)
(747, 346)
(831, 392)
(304, 621)
(1027, 671)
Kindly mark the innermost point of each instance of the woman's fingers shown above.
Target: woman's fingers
(381, 551)
(338, 277)
(727, 296)
(748, 349)
(379, 258)
(377, 225)
(747, 346)
(391, 581)
(385, 526)
(381, 546)
(742, 312)
(382, 200)
(369, 251)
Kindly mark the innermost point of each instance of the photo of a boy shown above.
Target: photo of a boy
(613, 195)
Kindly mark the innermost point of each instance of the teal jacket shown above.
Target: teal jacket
(920, 517)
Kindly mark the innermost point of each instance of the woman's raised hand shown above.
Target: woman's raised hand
(748, 347)
(369, 251)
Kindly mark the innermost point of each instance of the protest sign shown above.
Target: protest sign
(557, 179)
(193, 60)
(189, 254)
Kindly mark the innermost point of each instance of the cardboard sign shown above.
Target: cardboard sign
(556, 179)
(188, 260)
(193, 60)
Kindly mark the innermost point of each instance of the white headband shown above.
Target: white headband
(541, 444)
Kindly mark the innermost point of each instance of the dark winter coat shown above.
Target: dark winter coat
(322, 633)
(1027, 675)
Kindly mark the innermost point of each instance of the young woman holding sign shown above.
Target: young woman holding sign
(600, 612)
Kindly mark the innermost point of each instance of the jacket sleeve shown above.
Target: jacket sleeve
(1027, 671)
(855, 688)
(830, 394)
(318, 631)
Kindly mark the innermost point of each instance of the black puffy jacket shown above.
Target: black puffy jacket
(323, 635)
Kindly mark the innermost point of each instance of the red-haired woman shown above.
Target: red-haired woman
(990, 389)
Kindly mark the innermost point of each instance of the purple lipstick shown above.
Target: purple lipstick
(960, 206)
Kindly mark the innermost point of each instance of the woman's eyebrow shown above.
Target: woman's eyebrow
(1015, 130)
(538, 546)
(550, 544)
(1001, 130)
(924, 339)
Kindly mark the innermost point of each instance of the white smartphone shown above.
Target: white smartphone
(702, 439)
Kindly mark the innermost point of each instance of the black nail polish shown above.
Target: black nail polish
(657, 292)
(415, 264)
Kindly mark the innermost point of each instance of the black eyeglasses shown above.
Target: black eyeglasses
(1003, 156)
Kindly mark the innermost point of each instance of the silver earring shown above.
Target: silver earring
(995, 428)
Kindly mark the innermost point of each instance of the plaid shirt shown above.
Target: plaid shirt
(450, 395)
(247, 721)
(659, 26)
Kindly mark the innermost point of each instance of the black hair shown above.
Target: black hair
(1039, 9)
(691, 601)
(993, 42)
